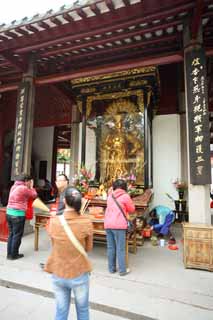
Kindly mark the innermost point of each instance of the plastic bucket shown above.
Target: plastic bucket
(162, 242)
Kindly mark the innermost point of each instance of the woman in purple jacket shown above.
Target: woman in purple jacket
(116, 226)
(20, 193)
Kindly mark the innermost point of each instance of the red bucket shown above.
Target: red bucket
(146, 233)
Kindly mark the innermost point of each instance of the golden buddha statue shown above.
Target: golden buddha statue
(118, 152)
(115, 152)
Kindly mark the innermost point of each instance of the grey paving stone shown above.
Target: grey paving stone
(158, 286)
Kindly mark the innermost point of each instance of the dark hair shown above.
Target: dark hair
(24, 177)
(64, 175)
(73, 198)
(119, 184)
(153, 213)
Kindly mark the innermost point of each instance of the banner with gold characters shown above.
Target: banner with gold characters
(19, 140)
(198, 117)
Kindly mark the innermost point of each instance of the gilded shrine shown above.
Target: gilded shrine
(118, 109)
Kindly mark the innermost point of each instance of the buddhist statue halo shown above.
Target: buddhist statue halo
(121, 106)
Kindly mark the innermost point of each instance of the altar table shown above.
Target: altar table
(99, 235)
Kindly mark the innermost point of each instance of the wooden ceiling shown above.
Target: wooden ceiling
(100, 36)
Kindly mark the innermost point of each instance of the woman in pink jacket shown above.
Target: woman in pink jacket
(116, 226)
(20, 193)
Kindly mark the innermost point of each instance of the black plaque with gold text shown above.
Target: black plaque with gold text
(198, 117)
(20, 130)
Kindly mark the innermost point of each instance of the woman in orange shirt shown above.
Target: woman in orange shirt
(69, 267)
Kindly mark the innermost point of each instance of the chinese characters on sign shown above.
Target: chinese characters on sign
(198, 118)
(19, 140)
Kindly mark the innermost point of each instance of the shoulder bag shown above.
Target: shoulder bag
(130, 225)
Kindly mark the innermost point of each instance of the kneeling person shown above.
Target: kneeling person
(161, 219)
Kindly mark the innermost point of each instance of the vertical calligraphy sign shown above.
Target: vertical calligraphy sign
(20, 130)
(198, 117)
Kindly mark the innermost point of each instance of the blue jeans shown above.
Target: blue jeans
(16, 230)
(62, 290)
(116, 246)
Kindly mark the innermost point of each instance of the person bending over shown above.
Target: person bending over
(161, 218)
(20, 193)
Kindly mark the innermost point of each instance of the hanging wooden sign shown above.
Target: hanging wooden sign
(198, 117)
(20, 130)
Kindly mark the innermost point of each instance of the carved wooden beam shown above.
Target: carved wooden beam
(112, 38)
(56, 21)
(21, 66)
(110, 4)
(173, 58)
(81, 13)
(65, 33)
(104, 60)
(95, 9)
(111, 68)
(31, 28)
(3, 38)
(11, 78)
(67, 17)
(11, 34)
(43, 25)
(114, 54)
(22, 31)
(9, 87)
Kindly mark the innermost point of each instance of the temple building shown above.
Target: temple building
(123, 88)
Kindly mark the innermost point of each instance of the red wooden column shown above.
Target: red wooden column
(1, 138)
(83, 131)
(74, 141)
(3, 223)
(24, 124)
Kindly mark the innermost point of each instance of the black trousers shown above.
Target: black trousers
(16, 230)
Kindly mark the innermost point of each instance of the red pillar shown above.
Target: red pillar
(1, 139)
(1, 149)
(3, 223)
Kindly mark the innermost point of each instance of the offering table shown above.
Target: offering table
(141, 202)
(99, 234)
(42, 218)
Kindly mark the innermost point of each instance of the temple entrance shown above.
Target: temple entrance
(62, 148)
